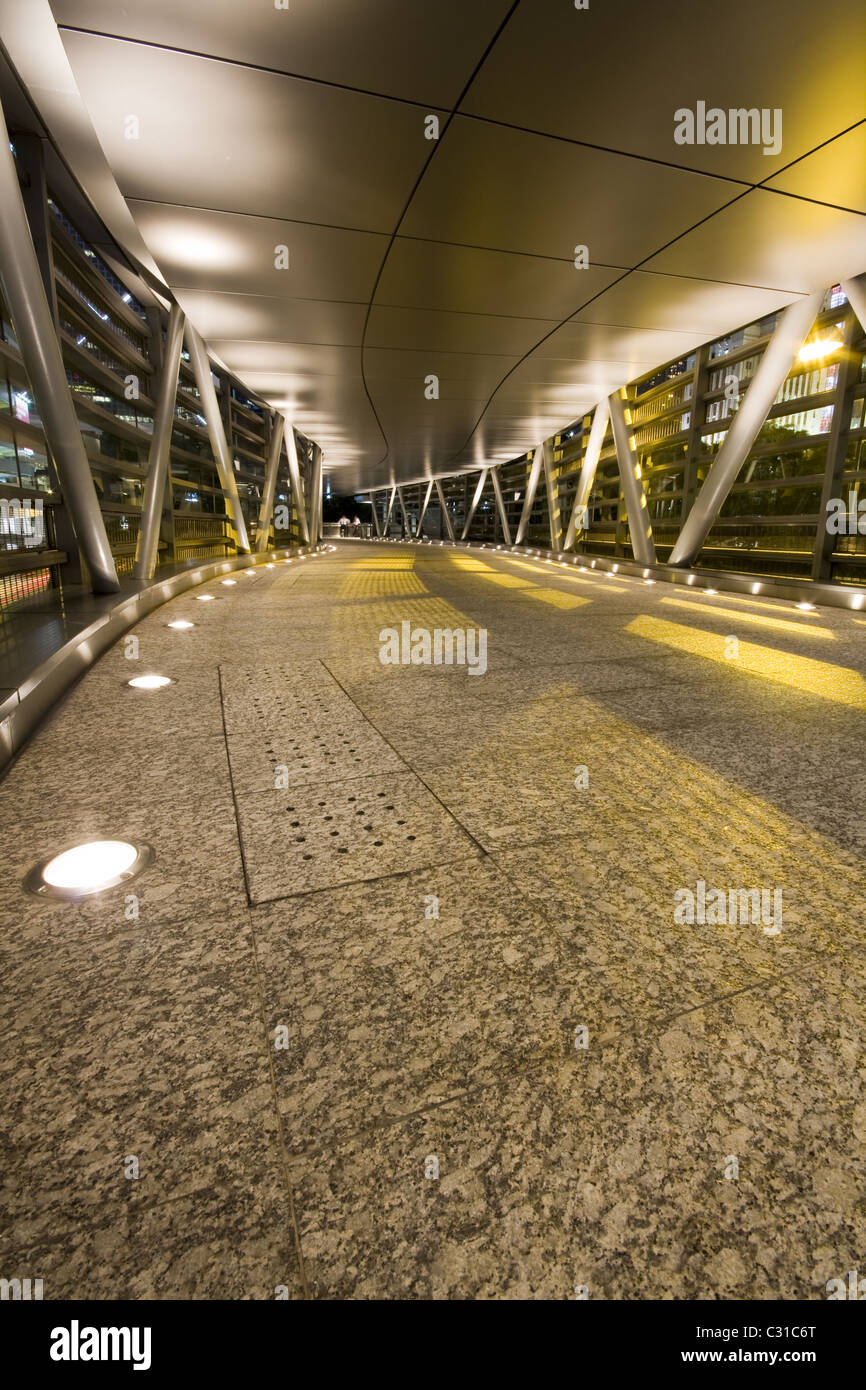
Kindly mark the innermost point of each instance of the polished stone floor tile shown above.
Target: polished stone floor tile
(547, 1082)
(703, 1159)
(346, 831)
(415, 1007)
(209, 1243)
(108, 1070)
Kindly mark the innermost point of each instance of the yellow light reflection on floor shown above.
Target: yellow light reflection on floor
(508, 581)
(758, 619)
(555, 597)
(779, 607)
(563, 574)
(353, 622)
(399, 562)
(837, 683)
(466, 562)
(380, 585)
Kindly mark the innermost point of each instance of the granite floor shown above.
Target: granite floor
(401, 1007)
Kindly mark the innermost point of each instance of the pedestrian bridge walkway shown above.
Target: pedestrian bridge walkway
(406, 1003)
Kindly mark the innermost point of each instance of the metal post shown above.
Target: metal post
(774, 366)
(531, 488)
(837, 443)
(700, 383)
(273, 467)
(375, 507)
(855, 292)
(444, 512)
(597, 431)
(551, 480)
(423, 511)
(500, 504)
(473, 505)
(160, 446)
(30, 151)
(31, 314)
(388, 510)
(639, 526)
(405, 513)
(216, 433)
(295, 478)
(315, 502)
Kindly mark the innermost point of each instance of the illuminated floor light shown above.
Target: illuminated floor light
(229, 583)
(649, 581)
(181, 624)
(205, 598)
(711, 592)
(806, 607)
(89, 868)
(149, 682)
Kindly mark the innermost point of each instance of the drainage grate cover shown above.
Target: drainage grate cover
(347, 746)
(345, 831)
(280, 698)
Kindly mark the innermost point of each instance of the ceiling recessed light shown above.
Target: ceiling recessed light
(88, 868)
(149, 682)
(181, 624)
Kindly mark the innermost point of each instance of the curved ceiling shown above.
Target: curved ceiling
(305, 127)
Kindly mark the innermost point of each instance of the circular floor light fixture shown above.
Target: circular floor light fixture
(181, 624)
(149, 682)
(205, 598)
(87, 869)
(229, 583)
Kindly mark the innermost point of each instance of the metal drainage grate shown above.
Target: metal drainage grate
(343, 832)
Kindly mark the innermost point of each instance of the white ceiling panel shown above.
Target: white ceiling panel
(409, 257)
(615, 73)
(509, 190)
(402, 48)
(780, 243)
(213, 134)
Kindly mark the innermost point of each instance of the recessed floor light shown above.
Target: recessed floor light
(711, 591)
(806, 607)
(149, 682)
(181, 624)
(88, 868)
(228, 582)
(205, 598)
